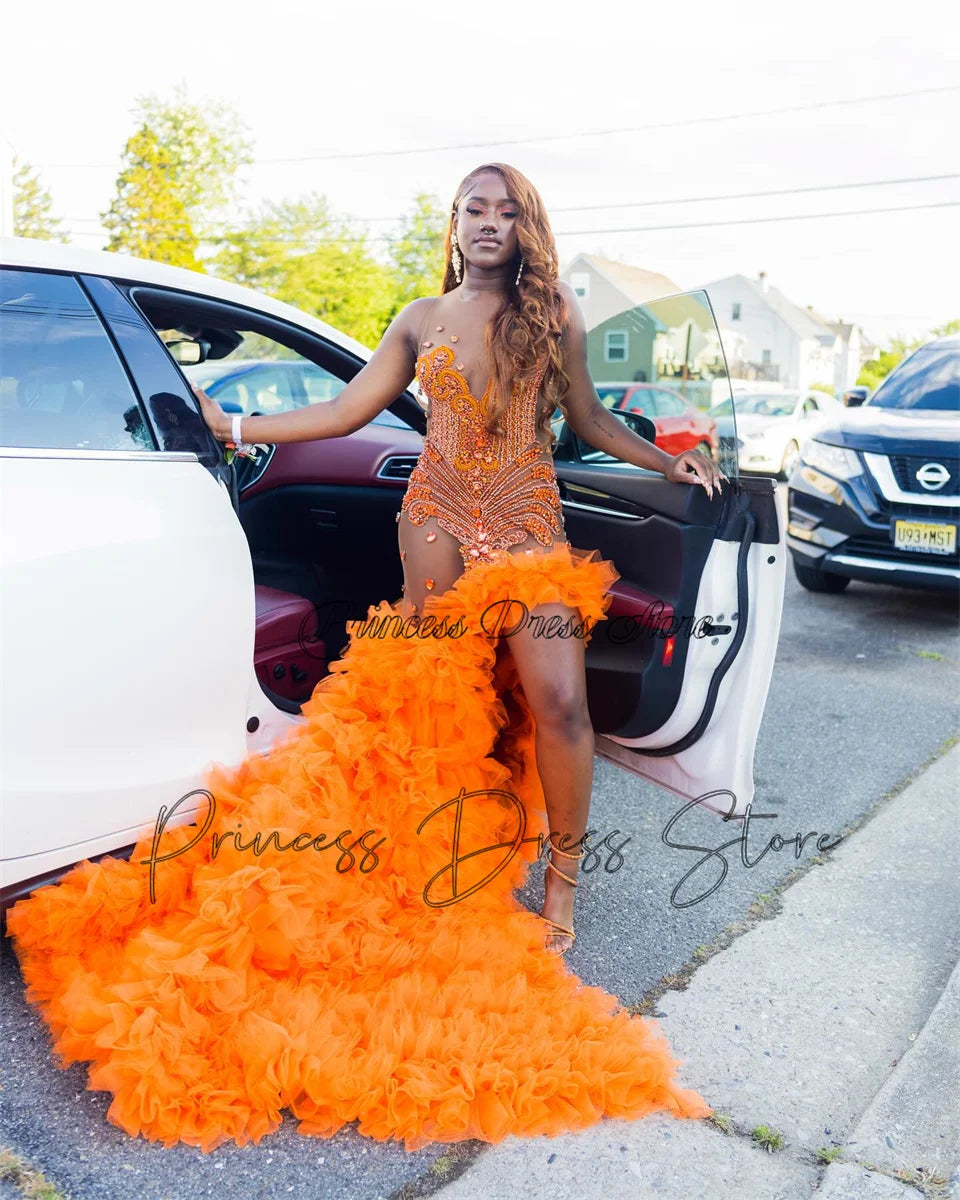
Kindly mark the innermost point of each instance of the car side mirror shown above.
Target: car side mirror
(641, 425)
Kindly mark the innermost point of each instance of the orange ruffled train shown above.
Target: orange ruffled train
(342, 991)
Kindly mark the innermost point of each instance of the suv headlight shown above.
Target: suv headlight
(832, 460)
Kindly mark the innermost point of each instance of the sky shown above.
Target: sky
(635, 126)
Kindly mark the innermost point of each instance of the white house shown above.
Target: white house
(607, 288)
(850, 352)
(779, 341)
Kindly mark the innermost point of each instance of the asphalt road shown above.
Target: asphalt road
(863, 692)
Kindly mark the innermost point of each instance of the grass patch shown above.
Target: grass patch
(766, 1138)
(32, 1184)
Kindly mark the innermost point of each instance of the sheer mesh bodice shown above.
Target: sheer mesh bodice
(479, 494)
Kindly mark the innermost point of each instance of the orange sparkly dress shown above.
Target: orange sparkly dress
(338, 935)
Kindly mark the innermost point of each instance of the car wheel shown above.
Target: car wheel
(791, 456)
(815, 580)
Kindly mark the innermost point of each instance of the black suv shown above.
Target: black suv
(876, 493)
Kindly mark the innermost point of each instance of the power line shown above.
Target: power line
(588, 133)
(792, 191)
(240, 234)
(859, 212)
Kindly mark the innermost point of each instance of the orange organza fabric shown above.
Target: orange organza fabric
(258, 983)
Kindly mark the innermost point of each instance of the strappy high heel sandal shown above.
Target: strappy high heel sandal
(556, 929)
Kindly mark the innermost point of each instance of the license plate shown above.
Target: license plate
(931, 537)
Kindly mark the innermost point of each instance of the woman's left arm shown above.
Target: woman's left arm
(588, 418)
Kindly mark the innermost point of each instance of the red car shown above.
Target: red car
(680, 425)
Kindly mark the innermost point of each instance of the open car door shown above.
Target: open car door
(678, 674)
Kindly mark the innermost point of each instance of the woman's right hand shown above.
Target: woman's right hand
(218, 422)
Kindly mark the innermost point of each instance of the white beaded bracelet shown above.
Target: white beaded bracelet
(235, 428)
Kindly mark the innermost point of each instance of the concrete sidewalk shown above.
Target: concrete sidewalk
(834, 1024)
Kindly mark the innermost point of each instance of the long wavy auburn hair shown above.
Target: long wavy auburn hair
(526, 330)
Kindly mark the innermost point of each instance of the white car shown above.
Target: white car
(772, 426)
(163, 610)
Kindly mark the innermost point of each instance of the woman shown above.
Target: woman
(228, 972)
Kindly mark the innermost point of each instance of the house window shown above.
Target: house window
(766, 358)
(736, 312)
(616, 345)
(580, 282)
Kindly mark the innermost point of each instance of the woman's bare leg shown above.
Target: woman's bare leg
(431, 564)
(552, 674)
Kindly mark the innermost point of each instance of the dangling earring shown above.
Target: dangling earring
(519, 272)
(455, 256)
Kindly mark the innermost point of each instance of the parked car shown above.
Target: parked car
(770, 426)
(876, 493)
(256, 385)
(679, 424)
(165, 609)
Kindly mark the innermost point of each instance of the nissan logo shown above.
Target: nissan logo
(932, 475)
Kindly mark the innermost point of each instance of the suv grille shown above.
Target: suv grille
(905, 469)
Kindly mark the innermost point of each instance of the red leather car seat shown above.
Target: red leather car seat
(288, 657)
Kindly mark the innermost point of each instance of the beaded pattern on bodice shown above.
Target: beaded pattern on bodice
(489, 490)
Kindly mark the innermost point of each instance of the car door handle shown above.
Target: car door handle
(324, 518)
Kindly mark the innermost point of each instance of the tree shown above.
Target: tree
(33, 206)
(149, 217)
(299, 252)
(178, 176)
(416, 256)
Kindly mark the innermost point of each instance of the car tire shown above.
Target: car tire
(791, 456)
(815, 580)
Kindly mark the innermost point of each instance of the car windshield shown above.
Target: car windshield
(929, 379)
(780, 405)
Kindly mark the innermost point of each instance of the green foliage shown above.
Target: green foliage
(823, 387)
(416, 256)
(149, 217)
(299, 252)
(876, 369)
(767, 1138)
(177, 176)
(33, 206)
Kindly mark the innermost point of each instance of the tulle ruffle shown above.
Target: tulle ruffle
(360, 984)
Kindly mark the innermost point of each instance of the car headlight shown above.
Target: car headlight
(832, 460)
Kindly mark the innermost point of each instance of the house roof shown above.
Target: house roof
(803, 323)
(636, 284)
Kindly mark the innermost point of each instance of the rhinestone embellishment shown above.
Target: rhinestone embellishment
(454, 337)
(489, 490)
(428, 582)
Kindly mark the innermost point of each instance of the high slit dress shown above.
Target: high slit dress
(367, 962)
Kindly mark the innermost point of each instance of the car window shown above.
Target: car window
(810, 407)
(642, 402)
(261, 375)
(62, 385)
(929, 378)
(609, 396)
(669, 405)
